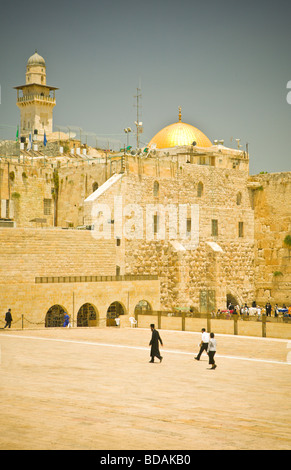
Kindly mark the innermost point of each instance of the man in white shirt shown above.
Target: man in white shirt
(203, 344)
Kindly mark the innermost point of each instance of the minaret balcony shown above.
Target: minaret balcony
(42, 98)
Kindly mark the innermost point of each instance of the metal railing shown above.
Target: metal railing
(65, 279)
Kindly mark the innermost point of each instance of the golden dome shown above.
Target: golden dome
(178, 134)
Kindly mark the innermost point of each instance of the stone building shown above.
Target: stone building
(184, 213)
(180, 223)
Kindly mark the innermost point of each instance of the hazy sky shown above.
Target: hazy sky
(226, 63)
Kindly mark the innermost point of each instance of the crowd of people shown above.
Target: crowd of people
(256, 310)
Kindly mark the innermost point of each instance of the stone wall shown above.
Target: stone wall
(190, 276)
(272, 225)
(65, 259)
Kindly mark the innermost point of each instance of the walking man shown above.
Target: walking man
(203, 344)
(8, 318)
(212, 350)
(154, 343)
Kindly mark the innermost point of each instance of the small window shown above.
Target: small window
(117, 270)
(214, 227)
(47, 206)
(156, 189)
(238, 199)
(188, 227)
(94, 186)
(118, 241)
(200, 189)
(156, 223)
(241, 229)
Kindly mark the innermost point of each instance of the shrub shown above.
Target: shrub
(287, 240)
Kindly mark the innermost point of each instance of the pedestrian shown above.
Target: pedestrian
(212, 350)
(154, 343)
(8, 318)
(203, 344)
(67, 323)
(276, 310)
(268, 308)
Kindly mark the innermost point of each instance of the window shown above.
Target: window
(240, 229)
(200, 189)
(238, 199)
(117, 270)
(95, 186)
(47, 206)
(156, 223)
(118, 241)
(188, 228)
(156, 189)
(214, 227)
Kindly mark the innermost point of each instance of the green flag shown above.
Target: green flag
(17, 134)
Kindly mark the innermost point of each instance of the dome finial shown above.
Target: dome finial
(180, 115)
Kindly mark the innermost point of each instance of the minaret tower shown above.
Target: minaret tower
(36, 100)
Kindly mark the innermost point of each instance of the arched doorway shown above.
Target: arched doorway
(55, 317)
(143, 307)
(87, 316)
(114, 310)
(231, 300)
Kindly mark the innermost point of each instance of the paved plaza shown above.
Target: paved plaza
(90, 388)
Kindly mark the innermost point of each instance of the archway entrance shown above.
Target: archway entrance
(114, 310)
(87, 316)
(231, 300)
(55, 317)
(143, 307)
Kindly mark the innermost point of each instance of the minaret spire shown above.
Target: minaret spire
(180, 115)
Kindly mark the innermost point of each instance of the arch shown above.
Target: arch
(143, 307)
(232, 299)
(114, 310)
(156, 189)
(238, 198)
(87, 316)
(200, 189)
(55, 316)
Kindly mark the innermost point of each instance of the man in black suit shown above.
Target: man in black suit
(8, 319)
(154, 343)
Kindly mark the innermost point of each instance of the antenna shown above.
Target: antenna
(138, 123)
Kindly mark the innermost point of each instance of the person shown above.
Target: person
(276, 310)
(203, 344)
(67, 323)
(117, 321)
(211, 350)
(154, 343)
(8, 318)
(268, 308)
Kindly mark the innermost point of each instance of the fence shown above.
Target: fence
(279, 327)
(225, 323)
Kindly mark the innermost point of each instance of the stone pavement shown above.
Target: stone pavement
(95, 389)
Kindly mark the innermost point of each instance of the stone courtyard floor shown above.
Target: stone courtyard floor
(95, 389)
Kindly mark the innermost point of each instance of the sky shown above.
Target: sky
(226, 63)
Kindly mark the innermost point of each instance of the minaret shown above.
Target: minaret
(37, 100)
